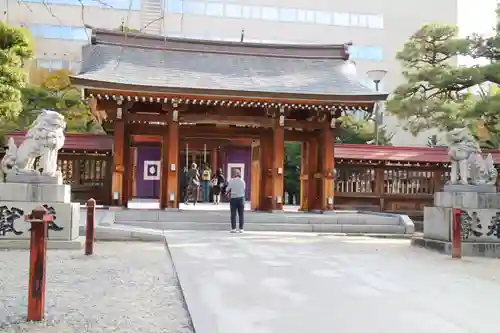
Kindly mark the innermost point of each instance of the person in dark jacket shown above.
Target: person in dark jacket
(217, 182)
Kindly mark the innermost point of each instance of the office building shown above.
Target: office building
(377, 29)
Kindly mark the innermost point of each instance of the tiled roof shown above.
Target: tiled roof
(199, 70)
(74, 141)
(229, 66)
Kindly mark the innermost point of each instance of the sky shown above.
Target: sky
(473, 18)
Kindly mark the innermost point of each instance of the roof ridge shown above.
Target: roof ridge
(142, 40)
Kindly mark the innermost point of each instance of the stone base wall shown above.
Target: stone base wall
(19, 199)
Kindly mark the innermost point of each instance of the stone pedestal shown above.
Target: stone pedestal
(19, 199)
(480, 219)
(33, 178)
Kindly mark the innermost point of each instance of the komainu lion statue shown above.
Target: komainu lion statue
(467, 165)
(44, 139)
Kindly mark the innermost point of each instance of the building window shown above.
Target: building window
(194, 7)
(215, 9)
(341, 19)
(116, 4)
(363, 20)
(323, 18)
(288, 14)
(366, 52)
(53, 64)
(251, 12)
(175, 6)
(59, 32)
(270, 13)
(305, 16)
(375, 21)
(230, 9)
(234, 11)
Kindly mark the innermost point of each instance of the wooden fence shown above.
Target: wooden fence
(388, 188)
(380, 187)
(88, 174)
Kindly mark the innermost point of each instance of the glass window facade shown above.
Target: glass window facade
(357, 52)
(56, 64)
(282, 14)
(59, 32)
(366, 52)
(116, 4)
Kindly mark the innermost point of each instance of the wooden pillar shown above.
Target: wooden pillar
(118, 159)
(215, 160)
(266, 169)
(164, 170)
(127, 161)
(131, 170)
(277, 166)
(327, 160)
(304, 176)
(134, 171)
(222, 162)
(256, 175)
(313, 181)
(172, 170)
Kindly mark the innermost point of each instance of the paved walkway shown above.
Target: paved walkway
(276, 283)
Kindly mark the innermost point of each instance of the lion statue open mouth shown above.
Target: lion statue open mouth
(44, 139)
(467, 165)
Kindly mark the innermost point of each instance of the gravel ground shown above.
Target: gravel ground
(124, 287)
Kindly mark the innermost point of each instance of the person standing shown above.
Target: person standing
(205, 178)
(236, 190)
(193, 184)
(217, 183)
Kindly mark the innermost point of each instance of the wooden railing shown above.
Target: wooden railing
(88, 174)
(388, 188)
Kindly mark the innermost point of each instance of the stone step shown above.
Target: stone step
(277, 227)
(127, 216)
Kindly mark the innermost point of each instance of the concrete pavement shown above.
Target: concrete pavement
(302, 282)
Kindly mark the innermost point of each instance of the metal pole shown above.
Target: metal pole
(377, 115)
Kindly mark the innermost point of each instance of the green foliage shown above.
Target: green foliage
(361, 130)
(436, 92)
(15, 48)
(432, 93)
(55, 92)
(292, 168)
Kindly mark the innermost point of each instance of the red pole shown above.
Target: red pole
(456, 235)
(38, 262)
(90, 232)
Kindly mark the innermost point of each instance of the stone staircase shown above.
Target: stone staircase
(338, 222)
(152, 16)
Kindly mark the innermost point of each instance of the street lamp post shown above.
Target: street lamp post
(376, 76)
